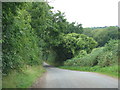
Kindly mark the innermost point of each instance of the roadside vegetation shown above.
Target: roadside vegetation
(33, 33)
(101, 59)
(109, 70)
(102, 56)
(24, 78)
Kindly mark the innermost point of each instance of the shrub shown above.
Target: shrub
(102, 56)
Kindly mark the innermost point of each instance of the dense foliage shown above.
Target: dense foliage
(33, 33)
(76, 42)
(20, 43)
(102, 56)
(70, 45)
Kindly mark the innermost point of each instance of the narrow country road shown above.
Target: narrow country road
(61, 78)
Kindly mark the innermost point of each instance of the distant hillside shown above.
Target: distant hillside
(102, 34)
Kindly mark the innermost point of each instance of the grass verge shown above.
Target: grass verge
(22, 79)
(110, 71)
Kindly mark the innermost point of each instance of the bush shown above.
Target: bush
(102, 56)
(110, 54)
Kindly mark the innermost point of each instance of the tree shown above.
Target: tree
(76, 42)
(20, 43)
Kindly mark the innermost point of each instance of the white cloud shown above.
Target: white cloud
(89, 12)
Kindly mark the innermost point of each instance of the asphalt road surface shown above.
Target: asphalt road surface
(61, 78)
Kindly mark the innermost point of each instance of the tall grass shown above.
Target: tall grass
(110, 70)
(22, 79)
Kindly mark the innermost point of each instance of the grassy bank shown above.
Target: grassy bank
(111, 70)
(24, 78)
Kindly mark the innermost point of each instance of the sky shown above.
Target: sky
(89, 13)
